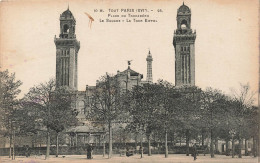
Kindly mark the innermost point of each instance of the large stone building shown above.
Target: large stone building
(67, 48)
(183, 41)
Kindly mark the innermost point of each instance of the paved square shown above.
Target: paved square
(175, 158)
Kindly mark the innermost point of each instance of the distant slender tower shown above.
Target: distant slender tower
(67, 48)
(149, 59)
(183, 42)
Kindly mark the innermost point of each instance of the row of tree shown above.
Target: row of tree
(44, 109)
(163, 110)
(152, 110)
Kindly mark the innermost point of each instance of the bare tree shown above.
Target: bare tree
(244, 99)
(53, 107)
(9, 89)
(144, 110)
(105, 104)
(62, 114)
(40, 97)
(168, 112)
(188, 112)
(212, 99)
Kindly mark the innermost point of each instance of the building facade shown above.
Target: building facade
(183, 42)
(128, 78)
(67, 48)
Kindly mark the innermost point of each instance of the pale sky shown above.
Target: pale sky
(226, 47)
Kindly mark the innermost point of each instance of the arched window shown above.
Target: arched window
(81, 106)
(183, 24)
(66, 28)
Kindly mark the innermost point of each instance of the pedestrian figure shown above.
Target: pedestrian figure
(141, 151)
(27, 151)
(205, 150)
(195, 152)
(89, 151)
(128, 153)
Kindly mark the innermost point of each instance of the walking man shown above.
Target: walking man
(89, 151)
(194, 151)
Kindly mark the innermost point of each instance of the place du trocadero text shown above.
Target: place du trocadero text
(121, 15)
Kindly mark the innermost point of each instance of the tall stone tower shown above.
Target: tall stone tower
(67, 48)
(149, 59)
(183, 42)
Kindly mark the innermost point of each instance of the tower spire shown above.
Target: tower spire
(149, 59)
(184, 50)
(67, 67)
(68, 6)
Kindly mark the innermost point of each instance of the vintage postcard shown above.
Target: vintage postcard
(129, 81)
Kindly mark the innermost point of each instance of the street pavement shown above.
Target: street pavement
(172, 158)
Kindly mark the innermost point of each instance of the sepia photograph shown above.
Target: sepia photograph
(119, 81)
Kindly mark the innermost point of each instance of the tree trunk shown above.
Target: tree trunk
(120, 143)
(149, 146)
(141, 147)
(110, 140)
(104, 148)
(180, 140)
(246, 147)
(70, 141)
(173, 139)
(135, 141)
(227, 153)
(258, 146)
(211, 144)
(99, 140)
(36, 142)
(158, 147)
(10, 148)
(13, 157)
(84, 140)
(166, 145)
(254, 146)
(187, 142)
(202, 138)
(48, 145)
(76, 141)
(233, 148)
(240, 148)
(216, 146)
(57, 144)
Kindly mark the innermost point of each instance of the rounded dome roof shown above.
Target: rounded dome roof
(67, 14)
(184, 9)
